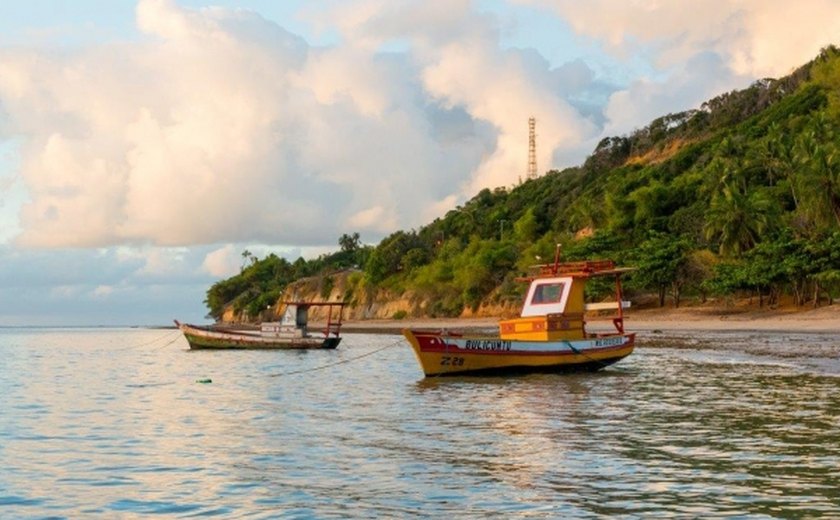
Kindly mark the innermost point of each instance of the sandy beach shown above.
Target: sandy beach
(821, 320)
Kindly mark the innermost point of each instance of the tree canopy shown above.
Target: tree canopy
(742, 194)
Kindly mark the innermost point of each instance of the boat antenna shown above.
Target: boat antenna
(557, 258)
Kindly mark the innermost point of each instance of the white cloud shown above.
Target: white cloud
(372, 217)
(213, 131)
(222, 262)
(103, 291)
(220, 130)
(699, 79)
(758, 38)
(163, 261)
(462, 65)
(505, 89)
(101, 286)
(699, 50)
(222, 126)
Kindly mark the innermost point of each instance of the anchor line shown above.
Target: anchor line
(173, 340)
(580, 352)
(151, 342)
(342, 362)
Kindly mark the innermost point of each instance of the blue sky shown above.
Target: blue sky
(145, 144)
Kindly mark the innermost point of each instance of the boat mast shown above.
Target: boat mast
(618, 321)
(556, 259)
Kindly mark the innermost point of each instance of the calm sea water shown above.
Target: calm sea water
(105, 423)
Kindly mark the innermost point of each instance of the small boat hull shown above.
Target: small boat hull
(200, 338)
(442, 353)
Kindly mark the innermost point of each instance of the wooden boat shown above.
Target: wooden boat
(549, 336)
(291, 332)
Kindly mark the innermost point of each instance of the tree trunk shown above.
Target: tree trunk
(797, 293)
(661, 296)
(816, 294)
(793, 194)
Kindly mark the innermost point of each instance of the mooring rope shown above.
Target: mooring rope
(336, 363)
(173, 340)
(582, 353)
(153, 341)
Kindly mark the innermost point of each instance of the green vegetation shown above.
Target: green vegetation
(739, 196)
(260, 283)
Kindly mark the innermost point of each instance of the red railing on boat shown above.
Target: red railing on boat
(584, 267)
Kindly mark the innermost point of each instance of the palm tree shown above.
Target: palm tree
(737, 218)
(819, 174)
(777, 153)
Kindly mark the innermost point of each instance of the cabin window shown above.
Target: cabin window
(547, 296)
(548, 293)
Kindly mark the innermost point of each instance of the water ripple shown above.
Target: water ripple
(717, 425)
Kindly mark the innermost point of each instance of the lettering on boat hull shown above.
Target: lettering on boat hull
(487, 344)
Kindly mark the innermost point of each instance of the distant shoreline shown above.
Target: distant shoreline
(821, 320)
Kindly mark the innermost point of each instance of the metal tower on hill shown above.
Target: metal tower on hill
(532, 149)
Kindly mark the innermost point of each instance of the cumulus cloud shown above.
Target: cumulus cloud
(103, 286)
(757, 38)
(700, 78)
(211, 131)
(218, 129)
(502, 88)
(462, 65)
(159, 262)
(222, 262)
(222, 126)
(103, 291)
(697, 51)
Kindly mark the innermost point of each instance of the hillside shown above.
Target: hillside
(741, 195)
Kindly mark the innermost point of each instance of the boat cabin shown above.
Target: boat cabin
(554, 306)
(294, 322)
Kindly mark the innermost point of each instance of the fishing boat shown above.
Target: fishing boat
(291, 332)
(550, 334)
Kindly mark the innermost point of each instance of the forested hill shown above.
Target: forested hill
(741, 194)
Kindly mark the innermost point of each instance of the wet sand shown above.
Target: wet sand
(823, 319)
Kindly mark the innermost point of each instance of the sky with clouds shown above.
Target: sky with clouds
(145, 144)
